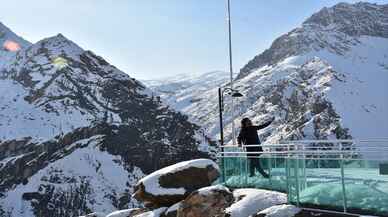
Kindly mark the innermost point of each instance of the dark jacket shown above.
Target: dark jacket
(248, 136)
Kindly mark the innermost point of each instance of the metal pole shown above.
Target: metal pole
(220, 102)
(231, 70)
(220, 106)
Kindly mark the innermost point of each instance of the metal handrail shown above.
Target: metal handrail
(337, 141)
(343, 148)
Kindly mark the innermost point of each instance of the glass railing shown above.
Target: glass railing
(339, 179)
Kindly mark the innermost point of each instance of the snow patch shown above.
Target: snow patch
(251, 201)
(281, 211)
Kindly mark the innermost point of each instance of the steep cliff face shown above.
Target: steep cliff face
(324, 80)
(70, 123)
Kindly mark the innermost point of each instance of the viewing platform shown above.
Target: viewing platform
(349, 176)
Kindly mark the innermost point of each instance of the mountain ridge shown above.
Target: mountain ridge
(335, 25)
(62, 104)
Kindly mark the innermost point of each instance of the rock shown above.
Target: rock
(251, 201)
(172, 211)
(209, 201)
(127, 212)
(154, 213)
(165, 187)
(279, 211)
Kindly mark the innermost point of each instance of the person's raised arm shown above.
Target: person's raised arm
(265, 124)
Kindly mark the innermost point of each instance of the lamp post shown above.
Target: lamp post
(234, 94)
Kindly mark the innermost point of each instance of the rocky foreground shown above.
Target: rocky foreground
(185, 190)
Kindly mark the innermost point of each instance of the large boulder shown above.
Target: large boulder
(251, 201)
(165, 187)
(209, 201)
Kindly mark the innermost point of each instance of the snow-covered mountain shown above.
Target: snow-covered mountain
(76, 133)
(180, 91)
(326, 79)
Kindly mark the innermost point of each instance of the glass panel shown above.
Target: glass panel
(317, 186)
(237, 172)
(276, 169)
(316, 183)
(366, 189)
(235, 169)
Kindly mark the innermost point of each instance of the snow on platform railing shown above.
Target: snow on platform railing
(366, 149)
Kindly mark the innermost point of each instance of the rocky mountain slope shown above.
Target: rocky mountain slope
(76, 133)
(323, 80)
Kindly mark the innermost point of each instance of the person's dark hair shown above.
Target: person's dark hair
(245, 122)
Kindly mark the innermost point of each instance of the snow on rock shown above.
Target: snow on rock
(95, 214)
(252, 201)
(126, 212)
(171, 184)
(208, 201)
(280, 211)
(206, 191)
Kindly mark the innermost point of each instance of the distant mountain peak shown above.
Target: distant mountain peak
(59, 45)
(334, 29)
(353, 19)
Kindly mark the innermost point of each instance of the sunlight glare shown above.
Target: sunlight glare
(60, 62)
(11, 46)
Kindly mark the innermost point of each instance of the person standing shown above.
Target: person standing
(248, 136)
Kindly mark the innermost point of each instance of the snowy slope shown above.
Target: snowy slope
(326, 79)
(97, 176)
(180, 91)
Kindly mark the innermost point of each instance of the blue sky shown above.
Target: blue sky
(158, 38)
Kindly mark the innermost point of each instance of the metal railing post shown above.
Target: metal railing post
(343, 178)
(297, 178)
(288, 174)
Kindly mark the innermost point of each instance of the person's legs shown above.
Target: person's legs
(252, 165)
(254, 162)
(260, 169)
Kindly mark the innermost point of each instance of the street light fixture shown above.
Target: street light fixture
(236, 94)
